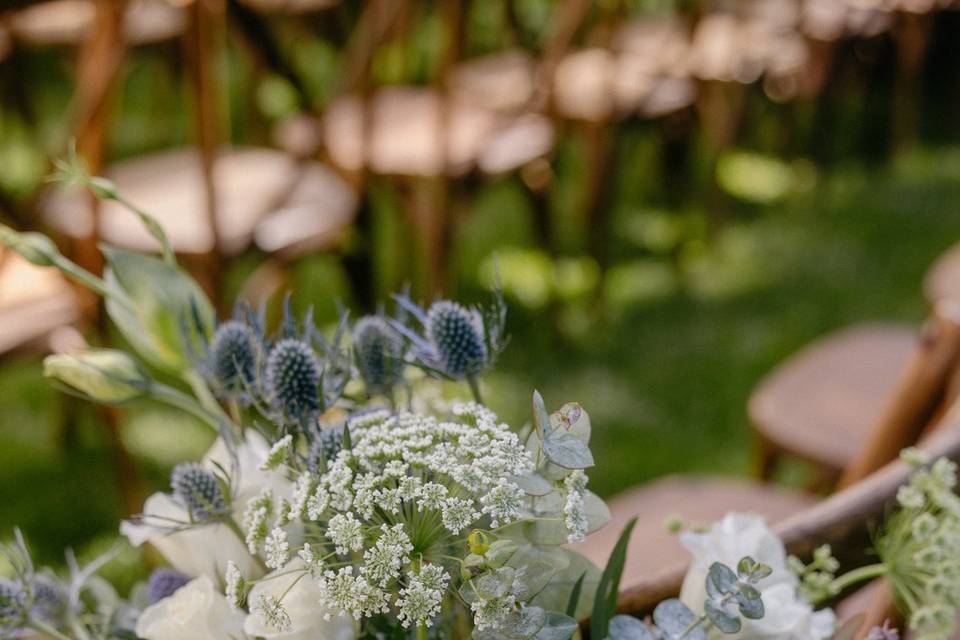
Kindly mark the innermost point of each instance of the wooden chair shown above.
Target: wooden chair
(702, 500)
(820, 404)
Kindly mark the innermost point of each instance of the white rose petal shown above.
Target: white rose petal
(300, 602)
(196, 611)
(787, 617)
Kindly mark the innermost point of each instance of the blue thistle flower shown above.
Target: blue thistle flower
(378, 351)
(233, 357)
(12, 605)
(456, 334)
(324, 448)
(48, 599)
(293, 379)
(199, 490)
(163, 583)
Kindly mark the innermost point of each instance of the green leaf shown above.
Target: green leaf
(605, 601)
(549, 527)
(557, 627)
(532, 579)
(572, 418)
(751, 608)
(720, 581)
(674, 619)
(533, 484)
(165, 305)
(567, 451)
(574, 600)
(541, 419)
(718, 615)
(559, 593)
(629, 628)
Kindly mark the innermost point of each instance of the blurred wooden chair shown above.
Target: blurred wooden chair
(701, 500)
(821, 404)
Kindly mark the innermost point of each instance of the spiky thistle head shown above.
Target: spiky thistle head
(199, 491)
(293, 379)
(163, 583)
(49, 599)
(234, 352)
(324, 449)
(457, 336)
(378, 350)
(13, 613)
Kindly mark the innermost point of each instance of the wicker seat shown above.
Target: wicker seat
(821, 404)
(695, 500)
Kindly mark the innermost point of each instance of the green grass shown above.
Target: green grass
(665, 382)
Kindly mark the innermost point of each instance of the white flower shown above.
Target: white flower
(277, 548)
(196, 611)
(201, 550)
(246, 473)
(346, 532)
(235, 586)
(299, 595)
(787, 617)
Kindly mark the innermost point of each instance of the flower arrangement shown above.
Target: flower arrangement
(342, 500)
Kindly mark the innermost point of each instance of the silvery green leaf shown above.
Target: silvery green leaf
(574, 420)
(721, 618)
(557, 627)
(567, 451)
(523, 624)
(533, 484)
(495, 584)
(531, 579)
(673, 618)
(720, 581)
(751, 608)
(746, 567)
(748, 593)
(500, 552)
(541, 419)
(629, 628)
(550, 529)
(553, 472)
(556, 596)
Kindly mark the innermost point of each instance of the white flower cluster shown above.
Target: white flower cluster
(921, 547)
(575, 517)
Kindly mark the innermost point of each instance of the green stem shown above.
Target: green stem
(475, 388)
(151, 225)
(206, 397)
(176, 398)
(44, 628)
(857, 576)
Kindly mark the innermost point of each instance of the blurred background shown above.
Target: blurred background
(679, 195)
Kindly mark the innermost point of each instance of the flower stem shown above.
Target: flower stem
(475, 388)
(856, 576)
(44, 628)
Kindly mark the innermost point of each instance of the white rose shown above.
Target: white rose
(201, 550)
(786, 617)
(196, 611)
(300, 602)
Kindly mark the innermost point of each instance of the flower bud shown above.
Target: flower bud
(293, 376)
(379, 352)
(233, 355)
(164, 583)
(199, 491)
(457, 335)
(34, 247)
(105, 375)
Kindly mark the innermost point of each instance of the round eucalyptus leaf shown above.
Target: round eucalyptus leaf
(557, 627)
(572, 418)
(531, 580)
(567, 451)
(629, 628)
(673, 618)
(721, 618)
(533, 484)
(751, 608)
(721, 580)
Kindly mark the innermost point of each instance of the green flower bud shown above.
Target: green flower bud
(34, 247)
(105, 375)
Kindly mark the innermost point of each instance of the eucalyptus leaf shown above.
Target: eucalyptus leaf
(751, 608)
(573, 419)
(567, 451)
(549, 528)
(541, 419)
(674, 619)
(721, 618)
(524, 624)
(533, 484)
(559, 592)
(531, 580)
(629, 628)
(720, 581)
(557, 627)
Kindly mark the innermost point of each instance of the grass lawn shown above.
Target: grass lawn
(666, 382)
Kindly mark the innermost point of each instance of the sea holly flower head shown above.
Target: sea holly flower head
(378, 354)
(163, 583)
(13, 601)
(199, 491)
(234, 357)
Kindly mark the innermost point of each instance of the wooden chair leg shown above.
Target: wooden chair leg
(767, 456)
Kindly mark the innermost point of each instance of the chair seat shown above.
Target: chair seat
(261, 195)
(695, 500)
(821, 403)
